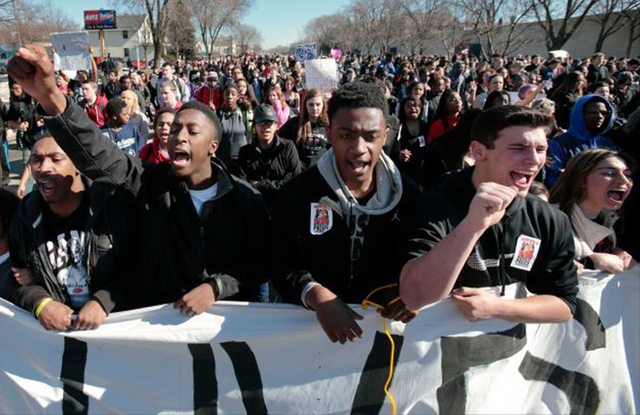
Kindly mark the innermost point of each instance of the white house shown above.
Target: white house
(131, 40)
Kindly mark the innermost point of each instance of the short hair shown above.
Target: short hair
(93, 84)
(114, 107)
(124, 78)
(356, 95)
(490, 122)
(161, 111)
(433, 80)
(169, 84)
(164, 65)
(209, 113)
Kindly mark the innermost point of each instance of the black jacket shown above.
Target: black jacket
(270, 168)
(301, 258)
(110, 249)
(178, 249)
(553, 271)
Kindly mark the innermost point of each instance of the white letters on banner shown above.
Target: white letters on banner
(306, 52)
(321, 73)
(274, 358)
(73, 49)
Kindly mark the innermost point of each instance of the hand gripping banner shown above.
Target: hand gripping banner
(274, 358)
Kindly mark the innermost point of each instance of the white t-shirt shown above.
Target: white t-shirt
(200, 196)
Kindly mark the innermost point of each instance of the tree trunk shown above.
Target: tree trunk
(631, 38)
(157, 52)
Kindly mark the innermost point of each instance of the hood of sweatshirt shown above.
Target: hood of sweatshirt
(388, 190)
(578, 127)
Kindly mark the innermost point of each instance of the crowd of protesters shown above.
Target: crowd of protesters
(230, 211)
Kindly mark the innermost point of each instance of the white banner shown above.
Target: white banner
(73, 50)
(274, 358)
(321, 73)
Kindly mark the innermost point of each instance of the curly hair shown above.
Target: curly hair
(356, 95)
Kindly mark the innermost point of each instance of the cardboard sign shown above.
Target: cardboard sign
(321, 73)
(73, 50)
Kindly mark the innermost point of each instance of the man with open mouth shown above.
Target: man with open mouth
(482, 229)
(197, 222)
(342, 227)
(71, 252)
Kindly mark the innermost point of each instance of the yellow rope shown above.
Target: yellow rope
(365, 304)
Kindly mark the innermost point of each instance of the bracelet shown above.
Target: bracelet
(41, 306)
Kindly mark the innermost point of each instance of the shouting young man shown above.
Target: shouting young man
(341, 227)
(198, 223)
(484, 230)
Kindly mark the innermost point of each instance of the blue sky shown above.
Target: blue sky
(280, 21)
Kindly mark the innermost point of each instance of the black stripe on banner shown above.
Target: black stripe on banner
(247, 372)
(459, 354)
(590, 320)
(74, 362)
(205, 384)
(581, 390)
(370, 395)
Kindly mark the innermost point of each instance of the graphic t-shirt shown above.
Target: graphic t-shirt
(67, 252)
(128, 138)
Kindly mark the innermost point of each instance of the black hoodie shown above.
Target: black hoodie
(552, 270)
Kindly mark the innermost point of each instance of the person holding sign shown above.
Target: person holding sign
(482, 229)
(341, 227)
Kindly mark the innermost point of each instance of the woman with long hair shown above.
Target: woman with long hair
(247, 94)
(413, 137)
(157, 151)
(291, 97)
(309, 129)
(447, 115)
(275, 97)
(136, 117)
(591, 191)
(566, 95)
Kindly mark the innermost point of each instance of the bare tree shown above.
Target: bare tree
(633, 23)
(157, 10)
(426, 18)
(30, 24)
(329, 31)
(610, 15)
(247, 37)
(180, 31)
(569, 13)
(495, 23)
(213, 16)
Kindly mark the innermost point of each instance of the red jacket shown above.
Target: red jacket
(98, 111)
(205, 96)
(151, 153)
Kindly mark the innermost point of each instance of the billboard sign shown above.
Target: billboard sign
(99, 19)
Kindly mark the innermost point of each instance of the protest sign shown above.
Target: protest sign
(73, 49)
(274, 358)
(321, 73)
(306, 52)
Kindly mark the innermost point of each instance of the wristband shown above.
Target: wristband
(41, 306)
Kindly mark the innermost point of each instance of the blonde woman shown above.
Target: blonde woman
(136, 117)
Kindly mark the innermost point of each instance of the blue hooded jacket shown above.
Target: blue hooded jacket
(577, 139)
